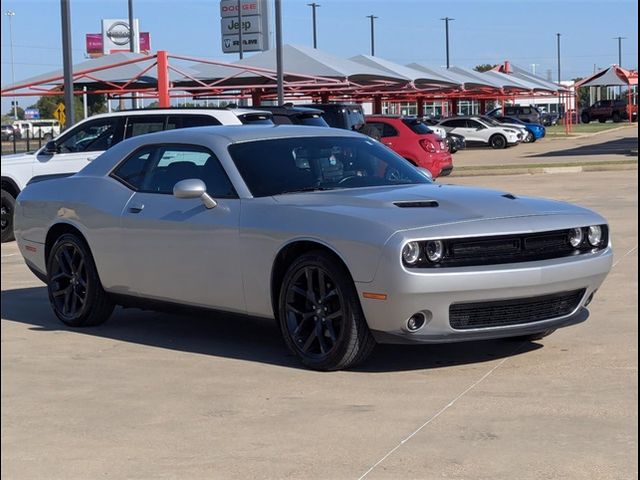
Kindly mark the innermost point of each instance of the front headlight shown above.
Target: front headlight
(509, 130)
(434, 250)
(575, 237)
(411, 253)
(594, 235)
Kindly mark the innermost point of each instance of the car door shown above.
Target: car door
(177, 249)
(77, 147)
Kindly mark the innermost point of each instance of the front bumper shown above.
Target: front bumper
(433, 291)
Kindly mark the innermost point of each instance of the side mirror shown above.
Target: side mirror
(194, 188)
(426, 173)
(51, 148)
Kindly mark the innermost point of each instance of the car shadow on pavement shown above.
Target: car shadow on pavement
(241, 337)
(621, 146)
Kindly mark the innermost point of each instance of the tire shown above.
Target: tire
(534, 336)
(320, 317)
(530, 138)
(585, 118)
(370, 131)
(8, 207)
(75, 292)
(616, 117)
(497, 142)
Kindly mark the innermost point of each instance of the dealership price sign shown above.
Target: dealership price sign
(255, 25)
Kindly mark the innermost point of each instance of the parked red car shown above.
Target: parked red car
(415, 141)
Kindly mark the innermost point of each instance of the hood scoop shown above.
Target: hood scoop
(417, 204)
(510, 196)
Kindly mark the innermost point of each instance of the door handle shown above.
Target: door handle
(136, 208)
(388, 143)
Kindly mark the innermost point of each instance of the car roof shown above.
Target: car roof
(164, 111)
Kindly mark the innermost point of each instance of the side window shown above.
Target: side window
(133, 170)
(379, 126)
(156, 169)
(474, 124)
(141, 124)
(526, 111)
(187, 121)
(456, 123)
(98, 135)
(510, 111)
(388, 130)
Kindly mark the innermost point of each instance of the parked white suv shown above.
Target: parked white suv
(44, 129)
(77, 146)
(477, 131)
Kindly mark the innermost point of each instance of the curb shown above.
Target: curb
(544, 170)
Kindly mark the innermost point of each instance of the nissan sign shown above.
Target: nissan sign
(116, 34)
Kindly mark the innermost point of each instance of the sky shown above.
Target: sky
(521, 31)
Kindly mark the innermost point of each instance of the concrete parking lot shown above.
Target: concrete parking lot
(151, 395)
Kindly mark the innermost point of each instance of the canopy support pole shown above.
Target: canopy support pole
(164, 101)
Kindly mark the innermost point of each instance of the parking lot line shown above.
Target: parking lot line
(442, 410)
(624, 256)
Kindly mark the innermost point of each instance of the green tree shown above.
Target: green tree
(583, 94)
(484, 67)
(20, 113)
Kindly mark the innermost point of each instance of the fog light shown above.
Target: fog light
(595, 235)
(590, 299)
(575, 237)
(435, 250)
(416, 321)
(411, 253)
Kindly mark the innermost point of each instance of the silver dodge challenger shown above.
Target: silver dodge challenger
(328, 232)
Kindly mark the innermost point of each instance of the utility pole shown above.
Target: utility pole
(132, 33)
(620, 49)
(67, 62)
(11, 14)
(446, 34)
(533, 68)
(558, 35)
(313, 6)
(373, 45)
(279, 73)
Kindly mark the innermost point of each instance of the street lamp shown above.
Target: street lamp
(533, 68)
(11, 14)
(446, 33)
(373, 46)
(313, 6)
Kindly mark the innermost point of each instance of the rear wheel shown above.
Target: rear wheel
(585, 118)
(7, 209)
(75, 292)
(320, 316)
(497, 142)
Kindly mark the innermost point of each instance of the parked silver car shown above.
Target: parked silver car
(326, 230)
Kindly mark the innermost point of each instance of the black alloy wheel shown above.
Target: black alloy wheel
(498, 141)
(320, 317)
(75, 292)
(6, 216)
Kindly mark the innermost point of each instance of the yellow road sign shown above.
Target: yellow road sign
(59, 114)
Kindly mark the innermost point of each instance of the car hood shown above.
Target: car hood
(17, 158)
(439, 205)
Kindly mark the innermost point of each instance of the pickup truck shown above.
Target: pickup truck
(604, 110)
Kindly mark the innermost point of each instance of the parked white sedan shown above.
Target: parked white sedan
(478, 132)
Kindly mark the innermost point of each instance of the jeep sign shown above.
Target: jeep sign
(255, 26)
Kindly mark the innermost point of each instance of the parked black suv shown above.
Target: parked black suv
(528, 114)
(290, 114)
(349, 116)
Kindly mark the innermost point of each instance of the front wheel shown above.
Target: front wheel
(529, 138)
(75, 292)
(616, 117)
(320, 316)
(585, 118)
(498, 142)
(8, 207)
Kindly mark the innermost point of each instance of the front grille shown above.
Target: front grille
(520, 311)
(494, 250)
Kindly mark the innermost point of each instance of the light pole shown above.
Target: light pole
(620, 49)
(11, 14)
(313, 6)
(558, 35)
(279, 70)
(67, 62)
(533, 68)
(373, 45)
(446, 34)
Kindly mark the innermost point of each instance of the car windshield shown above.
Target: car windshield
(417, 126)
(491, 121)
(291, 165)
(311, 119)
